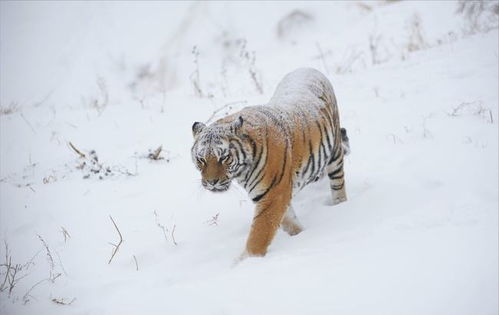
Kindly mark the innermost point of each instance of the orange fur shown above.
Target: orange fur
(273, 151)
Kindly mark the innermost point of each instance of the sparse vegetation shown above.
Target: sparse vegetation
(195, 79)
(90, 165)
(416, 39)
(62, 301)
(116, 247)
(249, 58)
(102, 100)
(13, 107)
(213, 220)
(389, 75)
(164, 229)
(475, 108)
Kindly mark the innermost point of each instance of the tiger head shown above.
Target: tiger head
(217, 153)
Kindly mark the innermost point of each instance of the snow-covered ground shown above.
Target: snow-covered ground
(417, 86)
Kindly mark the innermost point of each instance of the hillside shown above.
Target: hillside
(417, 87)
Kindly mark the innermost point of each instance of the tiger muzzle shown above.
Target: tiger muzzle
(216, 185)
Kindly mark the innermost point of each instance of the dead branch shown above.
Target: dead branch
(116, 247)
(60, 264)
(31, 188)
(27, 294)
(155, 154)
(7, 265)
(136, 263)
(62, 302)
(173, 236)
(322, 57)
(213, 220)
(10, 280)
(194, 77)
(28, 123)
(65, 233)
(77, 151)
(161, 226)
(215, 112)
(53, 276)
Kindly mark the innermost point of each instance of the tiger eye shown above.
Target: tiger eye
(200, 162)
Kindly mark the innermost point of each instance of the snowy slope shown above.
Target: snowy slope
(417, 86)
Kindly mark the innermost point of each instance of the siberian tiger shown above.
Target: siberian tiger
(274, 150)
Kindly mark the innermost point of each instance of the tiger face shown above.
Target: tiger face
(215, 154)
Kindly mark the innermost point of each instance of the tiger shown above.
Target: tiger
(273, 151)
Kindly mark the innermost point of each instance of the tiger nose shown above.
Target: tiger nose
(213, 182)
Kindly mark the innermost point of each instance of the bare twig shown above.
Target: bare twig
(44, 99)
(12, 108)
(62, 302)
(31, 188)
(65, 233)
(136, 263)
(194, 77)
(173, 236)
(161, 226)
(14, 272)
(60, 263)
(7, 265)
(155, 154)
(475, 108)
(395, 138)
(213, 220)
(28, 123)
(101, 105)
(53, 276)
(254, 75)
(116, 247)
(322, 57)
(27, 295)
(76, 150)
(215, 112)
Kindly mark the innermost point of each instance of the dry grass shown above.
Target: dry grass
(12, 108)
(116, 247)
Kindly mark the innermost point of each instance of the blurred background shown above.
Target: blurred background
(97, 100)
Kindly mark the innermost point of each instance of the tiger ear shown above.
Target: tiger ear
(197, 127)
(236, 125)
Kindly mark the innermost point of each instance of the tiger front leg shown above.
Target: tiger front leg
(269, 214)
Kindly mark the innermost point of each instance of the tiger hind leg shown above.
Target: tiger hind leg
(337, 176)
(290, 222)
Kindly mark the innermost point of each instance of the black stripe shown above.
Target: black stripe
(338, 187)
(312, 156)
(336, 153)
(310, 159)
(329, 126)
(321, 146)
(255, 166)
(264, 163)
(334, 173)
(260, 196)
(253, 145)
(335, 177)
(241, 149)
(284, 164)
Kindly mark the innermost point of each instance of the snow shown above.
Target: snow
(418, 234)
